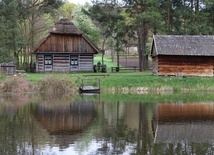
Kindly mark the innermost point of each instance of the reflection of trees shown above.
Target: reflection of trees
(123, 135)
(20, 133)
(127, 127)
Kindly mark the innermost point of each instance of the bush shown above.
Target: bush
(51, 84)
(16, 84)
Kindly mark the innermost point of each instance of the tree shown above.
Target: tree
(21, 23)
(145, 15)
(36, 24)
(66, 10)
(84, 23)
(107, 17)
(10, 38)
(187, 17)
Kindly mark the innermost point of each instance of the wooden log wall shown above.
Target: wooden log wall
(40, 63)
(62, 63)
(86, 63)
(186, 65)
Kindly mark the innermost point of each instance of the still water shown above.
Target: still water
(94, 125)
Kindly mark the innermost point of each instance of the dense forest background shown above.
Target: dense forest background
(111, 24)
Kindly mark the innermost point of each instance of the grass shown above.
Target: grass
(146, 79)
(140, 80)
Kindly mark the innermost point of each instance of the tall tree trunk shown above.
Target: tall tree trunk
(118, 59)
(103, 51)
(142, 37)
(169, 14)
(144, 45)
(140, 51)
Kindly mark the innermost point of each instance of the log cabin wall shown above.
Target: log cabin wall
(86, 62)
(64, 62)
(184, 65)
(40, 62)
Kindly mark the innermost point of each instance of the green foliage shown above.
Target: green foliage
(10, 38)
(66, 10)
(194, 17)
(85, 24)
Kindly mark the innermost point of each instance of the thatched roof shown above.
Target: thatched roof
(186, 45)
(65, 26)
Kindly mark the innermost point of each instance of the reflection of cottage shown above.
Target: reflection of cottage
(191, 122)
(65, 119)
(183, 55)
(65, 48)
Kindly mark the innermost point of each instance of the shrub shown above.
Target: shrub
(53, 84)
(16, 84)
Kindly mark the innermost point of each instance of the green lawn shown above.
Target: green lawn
(138, 79)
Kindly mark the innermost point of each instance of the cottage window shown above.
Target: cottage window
(48, 60)
(74, 61)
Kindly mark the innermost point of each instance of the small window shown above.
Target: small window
(48, 60)
(74, 61)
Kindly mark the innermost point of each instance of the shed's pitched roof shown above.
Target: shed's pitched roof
(66, 27)
(188, 45)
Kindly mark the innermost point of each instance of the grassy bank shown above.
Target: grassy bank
(136, 82)
(133, 82)
(147, 81)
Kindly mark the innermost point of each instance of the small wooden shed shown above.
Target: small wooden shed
(186, 55)
(65, 48)
(8, 68)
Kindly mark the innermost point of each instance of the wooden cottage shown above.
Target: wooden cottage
(184, 55)
(65, 48)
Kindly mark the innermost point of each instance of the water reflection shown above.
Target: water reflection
(89, 125)
(64, 120)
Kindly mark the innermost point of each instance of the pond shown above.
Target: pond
(107, 124)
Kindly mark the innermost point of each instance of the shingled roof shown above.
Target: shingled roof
(188, 45)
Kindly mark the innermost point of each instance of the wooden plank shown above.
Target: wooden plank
(61, 61)
(190, 66)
